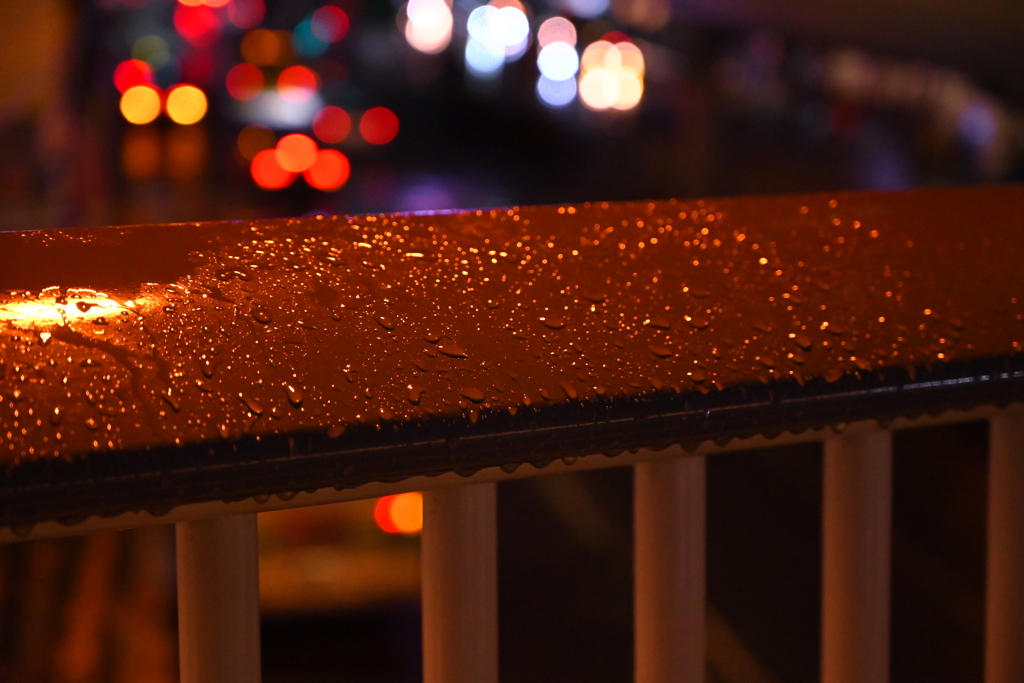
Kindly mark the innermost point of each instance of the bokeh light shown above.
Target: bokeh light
(400, 514)
(264, 47)
(267, 173)
(187, 153)
(378, 126)
(586, 9)
(153, 50)
(332, 125)
(140, 104)
(329, 172)
(296, 152)
(501, 30)
(556, 29)
(558, 61)
(297, 83)
(329, 24)
(429, 25)
(141, 153)
(186, 104)
(244, 81)
(198, 25)
(254, 139)
(484, 59)
(246, 14)
(556, 93)
(611, 75)
(132, 72)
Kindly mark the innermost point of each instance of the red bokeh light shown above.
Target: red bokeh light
(244, 81)
(297, 83)
(378, 126)
(614, 37)
(198, 25)
(296, 152)
(382, 515)
(132, 72)
(330, 170)
(246, 14)
(329, 24)
(267, 173)
(332, 124)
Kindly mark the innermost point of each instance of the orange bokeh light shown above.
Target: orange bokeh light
(400, 514)
(297, 83)
(332, 124)
(267, 173)
(254, 139)
(296, 152)
(132, 72)
(378, 126)
(329, 172)
(140, 104)
(244, 81)
(186, 104)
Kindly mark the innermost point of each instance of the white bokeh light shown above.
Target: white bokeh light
(484, 59)
(429, 25)
(558, 61)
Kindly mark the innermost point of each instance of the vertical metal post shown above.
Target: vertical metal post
(460, 585)
(1004, 591)
(669, 525)
(857, 561)
(219, 600)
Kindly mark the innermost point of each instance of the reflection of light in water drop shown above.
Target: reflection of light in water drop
(556, 93)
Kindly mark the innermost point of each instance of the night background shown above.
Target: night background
(117, 112)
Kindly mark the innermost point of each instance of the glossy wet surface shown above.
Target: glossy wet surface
(149, 366)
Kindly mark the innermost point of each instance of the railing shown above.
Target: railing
(188, 373)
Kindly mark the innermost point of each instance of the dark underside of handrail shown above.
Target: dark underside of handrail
(144, 368)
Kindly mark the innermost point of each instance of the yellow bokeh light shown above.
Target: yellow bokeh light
(186, 104)
(140, 104)
(611, 76)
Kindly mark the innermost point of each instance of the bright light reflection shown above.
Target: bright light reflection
(429, 25)
(558, 61)
(50, 309)
(500, 30)
(556, 93)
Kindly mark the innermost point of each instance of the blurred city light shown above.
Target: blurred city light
(329, 172)
(556, 29)
(400, 514)
(378, 126)
(329, 23)
(140, 104)
(556, 93)
(297, 83)
(254, 139)
(429, 25)
(264, 47)
(558, 61)
(132, 72)
(296, 152)
(246, 14)
(271, 109)
(141, 154)
(187, 152)
(611, 75)
(244, 81)
(267, 173)
(332, 125)
(586, 9)
(198, 25)
(153, 50)
(186, 104)
(484, 59)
